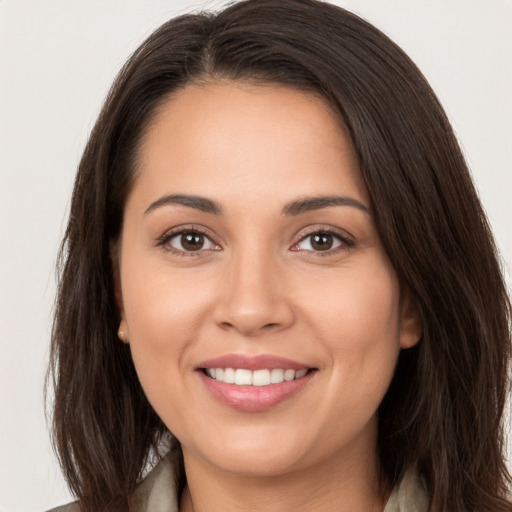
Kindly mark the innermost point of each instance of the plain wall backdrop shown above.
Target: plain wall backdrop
(57, 61)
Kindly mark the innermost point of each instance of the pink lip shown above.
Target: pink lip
(253, 398)
(258, 362)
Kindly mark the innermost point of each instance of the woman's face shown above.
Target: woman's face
(249, 252)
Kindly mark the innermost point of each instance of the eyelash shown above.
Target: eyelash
(346, 242)
(164, 240)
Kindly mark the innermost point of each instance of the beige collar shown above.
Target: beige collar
(409, 496)
(158, 492)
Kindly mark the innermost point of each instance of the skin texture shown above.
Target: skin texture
(258, 286)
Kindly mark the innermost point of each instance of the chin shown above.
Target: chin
(268, 452)
(259, 464)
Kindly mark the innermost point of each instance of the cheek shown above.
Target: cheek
(163, 323)
(164, 314)
(358, 329)
(357, 317)
(358, 308)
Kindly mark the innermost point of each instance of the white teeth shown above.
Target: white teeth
(289, 375)
(276, 376)
(261, 378)
(243, 377)
(229, 376)
(300, 373)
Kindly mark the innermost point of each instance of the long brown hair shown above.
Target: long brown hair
(443, 412)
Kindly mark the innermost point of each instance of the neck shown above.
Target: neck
(345, 486)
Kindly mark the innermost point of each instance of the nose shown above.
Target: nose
(253, 298)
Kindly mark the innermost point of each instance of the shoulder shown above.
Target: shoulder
(157, 492)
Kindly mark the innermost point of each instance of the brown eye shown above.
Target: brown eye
(190, 241)
(321, 242)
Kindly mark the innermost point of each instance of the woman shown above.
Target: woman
(275, 253)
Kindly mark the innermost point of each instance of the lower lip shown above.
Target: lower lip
(254, 398)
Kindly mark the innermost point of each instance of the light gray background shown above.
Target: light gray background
(57, 60)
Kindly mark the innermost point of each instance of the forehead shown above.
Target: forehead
(222, 138)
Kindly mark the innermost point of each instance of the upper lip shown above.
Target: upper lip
(252, 362)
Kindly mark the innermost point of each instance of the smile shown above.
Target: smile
(254, 383)
(263, 377)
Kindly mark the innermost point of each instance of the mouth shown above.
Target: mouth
(254, 383)
(261, 377)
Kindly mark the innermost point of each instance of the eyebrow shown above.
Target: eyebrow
(197, 202)
(309, 204)
(294, 208)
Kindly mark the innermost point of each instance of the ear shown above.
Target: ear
(116, 276)
(411, 322)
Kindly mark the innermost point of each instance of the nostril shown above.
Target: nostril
(249, 319)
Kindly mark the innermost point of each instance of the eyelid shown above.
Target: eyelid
(166, 237)
(347, 240)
